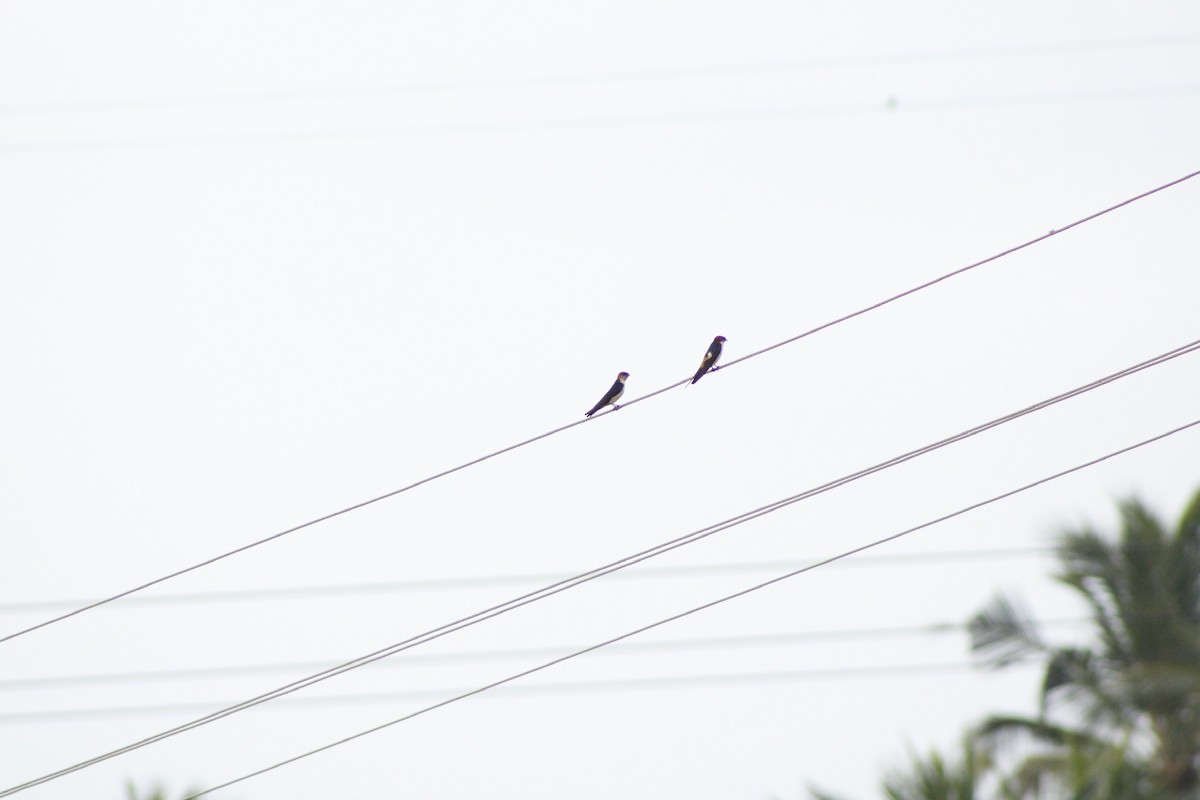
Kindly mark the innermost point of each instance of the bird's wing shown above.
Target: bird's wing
(709, 360)
(612, 394)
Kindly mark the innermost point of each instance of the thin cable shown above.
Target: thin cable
(612, 76)
(593, 574)
(474, 581)
(705, 606)
(667, 645)
(293, 529)
(614, 684)
(889, 105)
(601, 415)
(948, 275)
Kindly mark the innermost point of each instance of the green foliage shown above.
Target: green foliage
(1004, 634)
(1138, 684)
(158, 792)
(131, 793)
(934, 777)
(1118, 720)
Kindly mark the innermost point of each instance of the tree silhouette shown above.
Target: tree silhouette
(1119, 718)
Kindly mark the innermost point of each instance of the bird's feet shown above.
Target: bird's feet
(615, 406)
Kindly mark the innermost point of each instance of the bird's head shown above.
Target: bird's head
(719, 339)
(622, 376)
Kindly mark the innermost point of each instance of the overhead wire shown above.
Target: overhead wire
(568, 426)
(699, 608)
(584, 577)
(665, 645)
(477, 581)
(884, 105)
(602, 77)
(612, 684)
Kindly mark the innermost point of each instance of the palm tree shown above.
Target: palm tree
(969, 775)
(157, 793)
(1121, 718)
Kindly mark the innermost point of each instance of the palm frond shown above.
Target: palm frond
(1189, 520)
(1003, 730)
(935, 777)
(1083, 552)
(1150, 608)
(1002, 634)
(1092, 566)
(1068, 666)
(1089, 685)
(1037, 774)
(817, 794)
(1185, 561)
(1164, 688)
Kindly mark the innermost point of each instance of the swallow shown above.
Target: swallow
(709, 362)
(612, 395)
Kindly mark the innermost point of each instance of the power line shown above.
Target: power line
(356, 506)
(610, 76)
(886, 105)
(696, 609)
(469, 582)
(700, 643)
(948, 275)
(615, 684)
(614, 566)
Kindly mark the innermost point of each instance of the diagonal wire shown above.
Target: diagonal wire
(705, 606)
(590, 575)
(562, 428)
(948, 275)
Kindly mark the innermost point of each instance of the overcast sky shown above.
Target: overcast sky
(260, 261)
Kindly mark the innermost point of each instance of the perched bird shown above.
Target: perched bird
(709, 362)
(612, 395)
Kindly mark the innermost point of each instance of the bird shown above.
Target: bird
(612, 395)
(709, 362)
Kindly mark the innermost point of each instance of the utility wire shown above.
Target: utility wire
(699, 608)
(475, 581)
(601, 415)
(667, 645)
(614, 566)
(888, 105)
(613, 684)
(611, 76)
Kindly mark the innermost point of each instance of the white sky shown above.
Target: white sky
(264, 260)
